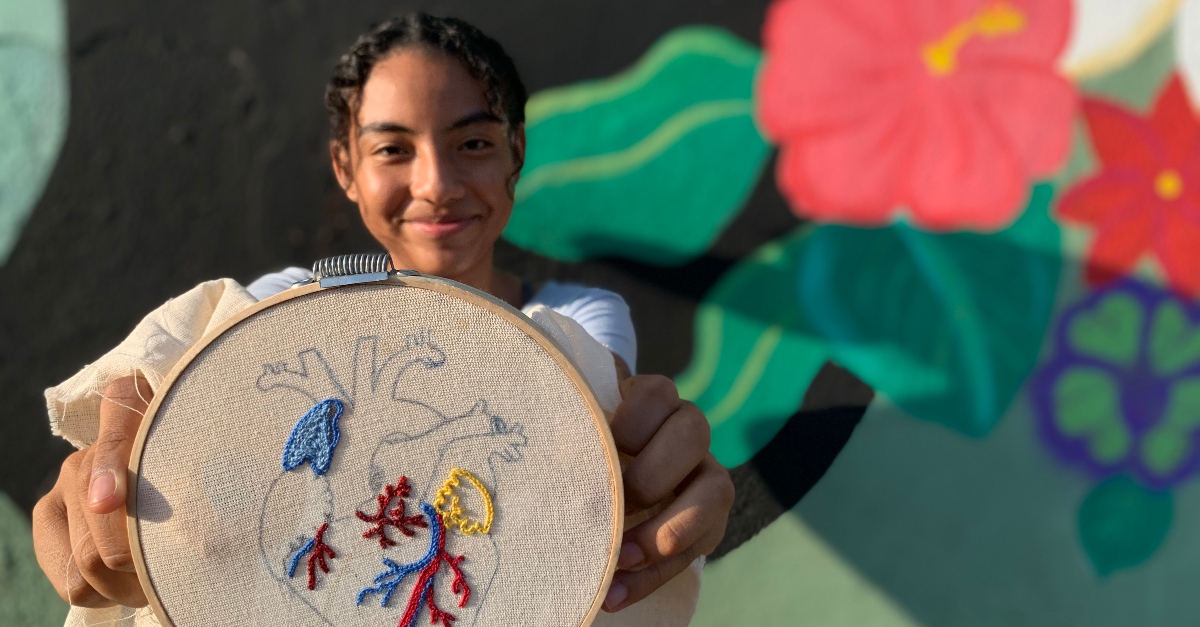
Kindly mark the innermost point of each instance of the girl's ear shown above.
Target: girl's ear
(339, 156)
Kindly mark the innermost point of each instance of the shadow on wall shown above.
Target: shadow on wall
(26, 597)
(944, 524)
(797, 455)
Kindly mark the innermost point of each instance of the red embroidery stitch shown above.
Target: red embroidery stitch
(459, 584)
(394, 517)
(320, 551)
(423, 590)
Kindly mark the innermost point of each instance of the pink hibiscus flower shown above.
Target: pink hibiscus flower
(945, 108)
(1145, 196)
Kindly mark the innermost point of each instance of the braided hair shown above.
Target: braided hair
(483, 57)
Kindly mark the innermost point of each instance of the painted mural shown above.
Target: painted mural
(33, 107)
(995, 212)
(1002, 208)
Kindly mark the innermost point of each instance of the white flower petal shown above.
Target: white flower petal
(1187, 47)
(1107, 34)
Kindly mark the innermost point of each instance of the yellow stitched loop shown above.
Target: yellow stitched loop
(454, 515)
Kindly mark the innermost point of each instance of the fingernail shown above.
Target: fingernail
(616, 595)
(631, 555)
(103, 486)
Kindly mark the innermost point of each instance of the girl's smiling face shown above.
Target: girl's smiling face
(430, 166)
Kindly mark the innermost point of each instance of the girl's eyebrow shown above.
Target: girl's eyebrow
(475, 118)
(385, 127)
(467, 120)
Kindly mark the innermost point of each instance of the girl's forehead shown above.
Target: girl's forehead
(420, 89)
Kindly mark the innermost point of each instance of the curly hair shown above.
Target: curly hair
(483, 57)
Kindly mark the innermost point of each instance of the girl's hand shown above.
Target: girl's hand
(79, 529)
(668, 440)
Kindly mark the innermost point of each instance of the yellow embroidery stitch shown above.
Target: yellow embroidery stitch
(454, 515)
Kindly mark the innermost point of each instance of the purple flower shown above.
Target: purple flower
(1121, 391)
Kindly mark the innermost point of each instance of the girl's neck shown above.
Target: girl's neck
(488, 278)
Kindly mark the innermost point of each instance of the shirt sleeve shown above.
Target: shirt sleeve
(271, 284)
(603, 314)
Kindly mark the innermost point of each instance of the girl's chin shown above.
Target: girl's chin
(451, 263)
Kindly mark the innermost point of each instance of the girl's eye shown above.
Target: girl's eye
(390, 151)
(477, 144)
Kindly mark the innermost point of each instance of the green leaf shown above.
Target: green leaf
(946, 325)
(1174, 341)
(1088, 405)
(33, 107)
(650, 164)
(754, 356)
(1112, 332)
(1122, 524)
(1171, 440)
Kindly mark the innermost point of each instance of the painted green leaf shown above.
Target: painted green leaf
(1174, 341)
(650, 164)
(753, 356)
(946, 325)
(1169, 443)
(1111, 333)
(33, 107)
(1088, 406)
(1122, 524)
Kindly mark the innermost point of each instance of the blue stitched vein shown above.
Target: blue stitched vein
(389, 579)
(299, 554)
(314, 437)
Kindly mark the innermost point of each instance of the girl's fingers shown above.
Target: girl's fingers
(700, 512)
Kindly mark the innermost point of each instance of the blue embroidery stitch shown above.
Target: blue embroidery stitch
(314, 437)
(389, 579)
(299, 554)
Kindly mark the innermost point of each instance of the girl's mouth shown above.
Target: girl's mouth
(441, 228)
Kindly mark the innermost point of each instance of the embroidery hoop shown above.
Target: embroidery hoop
(160, 524)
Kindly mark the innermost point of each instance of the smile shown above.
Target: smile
(439, 229)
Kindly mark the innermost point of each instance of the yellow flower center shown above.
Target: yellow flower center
(1168, 185)
(995, 20)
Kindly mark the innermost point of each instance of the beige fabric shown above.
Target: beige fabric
(592, 359)
(152, 349)
(430, 382)
(164, 335)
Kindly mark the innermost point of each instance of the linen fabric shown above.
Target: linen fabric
(430, 383)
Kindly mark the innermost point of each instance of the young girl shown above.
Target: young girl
(428, 139)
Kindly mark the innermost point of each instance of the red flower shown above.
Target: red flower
(944, 107)
(1146, 195)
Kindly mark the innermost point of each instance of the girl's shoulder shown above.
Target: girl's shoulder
(271, 284)
(602, 313)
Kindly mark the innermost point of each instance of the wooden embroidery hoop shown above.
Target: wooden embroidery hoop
(398, 281)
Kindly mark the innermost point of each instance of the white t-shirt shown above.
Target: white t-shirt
(603, 314)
